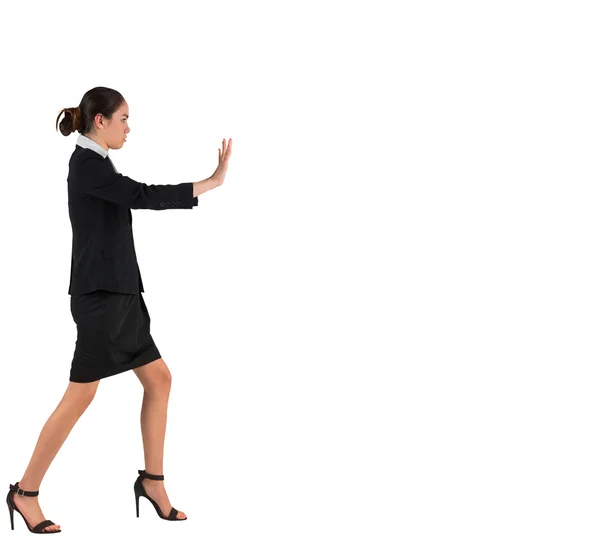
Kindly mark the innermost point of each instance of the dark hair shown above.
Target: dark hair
(98, 100)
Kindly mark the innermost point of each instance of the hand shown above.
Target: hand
(219, 175)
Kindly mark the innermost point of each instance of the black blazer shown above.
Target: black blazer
(100, 202)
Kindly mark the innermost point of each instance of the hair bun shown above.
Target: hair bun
(76, 113)
(71, 121)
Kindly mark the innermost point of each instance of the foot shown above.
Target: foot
(156, 490)
(30, 508)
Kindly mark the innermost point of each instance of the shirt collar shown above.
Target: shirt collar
(86, 142)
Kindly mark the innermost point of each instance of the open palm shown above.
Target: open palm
(221, 170)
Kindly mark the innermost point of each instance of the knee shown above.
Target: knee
(88, 393)
(164, 377)
(85, 400)
(79, 395)
(160, 379)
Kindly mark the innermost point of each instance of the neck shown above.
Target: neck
(100, 142)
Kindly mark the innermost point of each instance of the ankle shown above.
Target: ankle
(151, 481)
(26, 485)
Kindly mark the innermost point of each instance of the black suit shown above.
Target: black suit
(100, 202)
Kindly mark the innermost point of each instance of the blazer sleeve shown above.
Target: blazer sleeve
(95, 176)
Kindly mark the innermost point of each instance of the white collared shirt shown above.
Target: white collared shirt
(86, 142)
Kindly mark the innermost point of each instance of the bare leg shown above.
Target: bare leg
(73, 404)
(156, 380)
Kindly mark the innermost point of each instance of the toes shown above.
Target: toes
(181, 515)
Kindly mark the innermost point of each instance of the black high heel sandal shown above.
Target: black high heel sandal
(139, 490)
(38, 529)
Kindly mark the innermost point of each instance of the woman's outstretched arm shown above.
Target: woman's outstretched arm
(95, 176)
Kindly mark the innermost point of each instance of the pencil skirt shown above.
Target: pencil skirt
(113, 334)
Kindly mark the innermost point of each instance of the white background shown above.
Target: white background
(383, 325)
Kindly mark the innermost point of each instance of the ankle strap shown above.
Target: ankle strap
(144, 474)
(22, 492)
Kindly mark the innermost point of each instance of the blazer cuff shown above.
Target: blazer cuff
(194, 199)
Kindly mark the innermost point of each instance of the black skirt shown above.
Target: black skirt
(113, 335)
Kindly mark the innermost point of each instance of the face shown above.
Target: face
(114, 131)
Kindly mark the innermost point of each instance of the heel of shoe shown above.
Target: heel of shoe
(137, 492)
(12, 516)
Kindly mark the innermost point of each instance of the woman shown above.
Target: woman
(113, 324)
